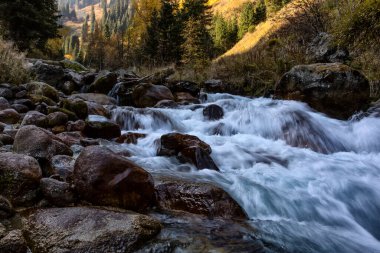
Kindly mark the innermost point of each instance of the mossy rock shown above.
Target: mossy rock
(36, 99)
(72, 116)
(42, 89)
(76, 66)
(78, 106)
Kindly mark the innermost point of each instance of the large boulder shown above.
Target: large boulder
(42, 89)
(196, 197)
(148, 95)
(19, 178)
(188, 149)
(331, 88)
(9, 116)
(105, 178)
(87, 229)
(103, 83)
(6, 209)
(48, 73)
(96, 98)
(184, 86)
(39, 143)
(100, 127)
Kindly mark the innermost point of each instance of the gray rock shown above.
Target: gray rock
(9, 116)
(39, 143)
(4, 104)
(86, 229)
(14, 242)
(35, 118)
(19, 178)
(56, 192)
(322, 49)
(6, 208)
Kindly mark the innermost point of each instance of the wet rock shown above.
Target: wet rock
(57, 119)
(19, 178)
(77, 106)
(166, 104)
(97, 109)
(51, 74)
(6, 139)
(63, 166)
(70, 138)
(198, 198)
(42, 89)
(86, 142)
(14, 242)
(213, 112)
(130, 138)
(86, 229)
(96, 98)
(4, 104)
(188, 149)
(6, 208)
(102, 128)
(185, 98)
(148, 95)
(76, 126)
(56, 192)
(331, 88)
(39, 143)
(35, 118)
(103, 83)
(105, 178)
(9, 116)
(185, 86)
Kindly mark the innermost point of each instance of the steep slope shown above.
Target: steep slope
(227, 7)
(265, 29)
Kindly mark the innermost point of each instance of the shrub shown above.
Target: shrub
(12, 64)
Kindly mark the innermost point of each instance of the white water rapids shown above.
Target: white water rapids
(308, 183)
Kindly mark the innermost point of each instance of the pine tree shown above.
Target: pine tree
(29, 23)
(195, 51)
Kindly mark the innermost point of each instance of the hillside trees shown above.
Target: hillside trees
(251, 15)
(29, 23)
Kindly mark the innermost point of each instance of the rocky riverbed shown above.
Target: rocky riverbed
(113, 162)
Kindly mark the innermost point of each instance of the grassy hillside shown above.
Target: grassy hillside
(259, 60)
(227, 7)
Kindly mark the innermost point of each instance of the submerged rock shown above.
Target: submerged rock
(88, 229)
(213, 112)
(331, 88)
(188, 149)
(105, 178)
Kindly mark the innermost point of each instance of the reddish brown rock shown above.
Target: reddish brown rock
(198, 198)
(105, 178)
(130, 138)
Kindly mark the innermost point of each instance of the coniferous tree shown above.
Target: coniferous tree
(93, 20)
(29, 23)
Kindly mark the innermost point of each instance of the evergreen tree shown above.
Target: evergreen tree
(195, 51)
(251, 15)
(29, 23)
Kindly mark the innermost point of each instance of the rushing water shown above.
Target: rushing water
(308, 183)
